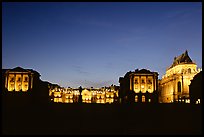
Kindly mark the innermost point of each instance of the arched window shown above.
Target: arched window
(136, 98)
(19, 79)
(136, 81)
(179, 86)
(143, 98)
(189, 70)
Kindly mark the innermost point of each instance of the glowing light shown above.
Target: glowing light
(143, 98)
(136, 98)
(198, 101)
(188, 101)
(66, 101)
(55, 95)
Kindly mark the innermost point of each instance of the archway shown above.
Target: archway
(179, 87)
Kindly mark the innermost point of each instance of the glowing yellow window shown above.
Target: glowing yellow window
(136, 98)
(143, 98)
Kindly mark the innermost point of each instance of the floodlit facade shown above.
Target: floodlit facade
(174, 85)
(19, 79)
(139, 86)
(89, 95)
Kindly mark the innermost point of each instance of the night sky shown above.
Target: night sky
(93, 44)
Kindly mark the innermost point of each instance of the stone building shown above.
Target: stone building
(174, 85)
(24, 85)
(88, 95)
(139, 86)
(19, 79)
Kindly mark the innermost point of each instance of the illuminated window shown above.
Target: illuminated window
(59, 99)
(19, 79)
(143, 81)
(136, 87)
(143, 98)
(189, 70)
(136, 98)
(136, 81)
(142, 86)
(149, 81)
(198, 101)
(26, 79)
(187, 100)
(56, 100)
(12, 79)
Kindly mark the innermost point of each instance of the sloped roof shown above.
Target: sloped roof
(183, 58)
(20, 69)
(141, 71)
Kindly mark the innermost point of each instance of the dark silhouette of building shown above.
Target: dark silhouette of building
(80, 96)
(196, 89)
(139, 86)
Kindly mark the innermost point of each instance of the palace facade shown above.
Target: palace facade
(88, 95)
(19, 79)
(139, 86)
(25, 86)
(174, 85)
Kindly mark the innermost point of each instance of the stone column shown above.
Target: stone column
(140, 82)
(31, 81)
(153, 83)
(6, 81)
(21, 82)
(130, 83)
(182, 87)
(146, 84)
(15, 82)
(133, 83)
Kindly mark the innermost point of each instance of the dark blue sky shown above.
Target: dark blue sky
(93, 44)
